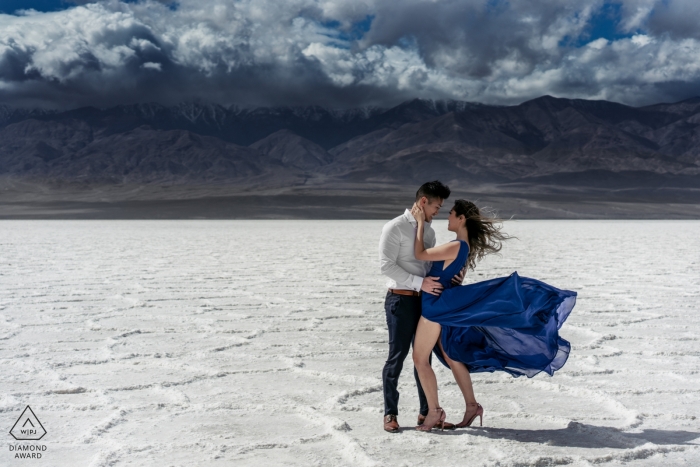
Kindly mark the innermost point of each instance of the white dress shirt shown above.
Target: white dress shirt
(396, 256)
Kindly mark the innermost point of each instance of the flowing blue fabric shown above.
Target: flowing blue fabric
(509, 324)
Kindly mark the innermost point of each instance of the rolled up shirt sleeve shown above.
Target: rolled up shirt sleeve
(389, 245)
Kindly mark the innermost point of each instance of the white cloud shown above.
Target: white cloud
(641, 40)
(598, 44)
(152, 66)
(306, 51)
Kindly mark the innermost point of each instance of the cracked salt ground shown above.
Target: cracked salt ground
(191, 342)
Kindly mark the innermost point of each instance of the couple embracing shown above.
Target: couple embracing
(506, 324)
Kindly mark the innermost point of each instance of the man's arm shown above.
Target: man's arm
(389, 245)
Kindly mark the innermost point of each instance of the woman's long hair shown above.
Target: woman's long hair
(484, 232)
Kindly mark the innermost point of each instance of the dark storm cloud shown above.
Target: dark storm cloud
(342, 53)
(678, 19)
(469, 38)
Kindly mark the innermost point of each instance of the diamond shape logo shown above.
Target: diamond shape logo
(28, 427)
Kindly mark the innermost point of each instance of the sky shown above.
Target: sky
(345, 53)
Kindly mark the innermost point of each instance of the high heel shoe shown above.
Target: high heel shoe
(440, 422)
(469, 418)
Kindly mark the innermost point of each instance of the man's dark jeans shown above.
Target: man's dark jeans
(402, 315)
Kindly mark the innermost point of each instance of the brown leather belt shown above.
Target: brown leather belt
(410, 293)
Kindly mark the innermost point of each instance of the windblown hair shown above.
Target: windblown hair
(483, 231)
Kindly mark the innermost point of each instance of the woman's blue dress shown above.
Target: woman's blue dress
(509, 324)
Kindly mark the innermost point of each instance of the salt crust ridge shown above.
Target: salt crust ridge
(293, 377)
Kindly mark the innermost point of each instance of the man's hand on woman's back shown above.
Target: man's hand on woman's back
(459, 278)
(431, 285)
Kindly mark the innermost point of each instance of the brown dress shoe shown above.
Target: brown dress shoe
(447, 426)
(391, 424)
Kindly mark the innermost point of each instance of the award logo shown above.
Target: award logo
(28, 427)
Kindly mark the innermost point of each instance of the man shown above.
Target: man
(403, 301)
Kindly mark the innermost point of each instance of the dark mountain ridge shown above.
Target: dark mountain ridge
(326, 127)
(542, 141)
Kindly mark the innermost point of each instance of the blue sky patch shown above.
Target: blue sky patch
(10, 6)
(604, 23)
(356, 32)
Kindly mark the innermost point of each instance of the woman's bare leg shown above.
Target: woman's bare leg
(427, 334)
(462, 376)
(464, 381)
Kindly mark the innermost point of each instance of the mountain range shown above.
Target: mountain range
(547, 141)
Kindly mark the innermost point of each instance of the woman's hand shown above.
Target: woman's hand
(418, 213)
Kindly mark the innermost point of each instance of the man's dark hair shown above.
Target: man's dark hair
(433, 190)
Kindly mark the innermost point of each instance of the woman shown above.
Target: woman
(509, 324)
